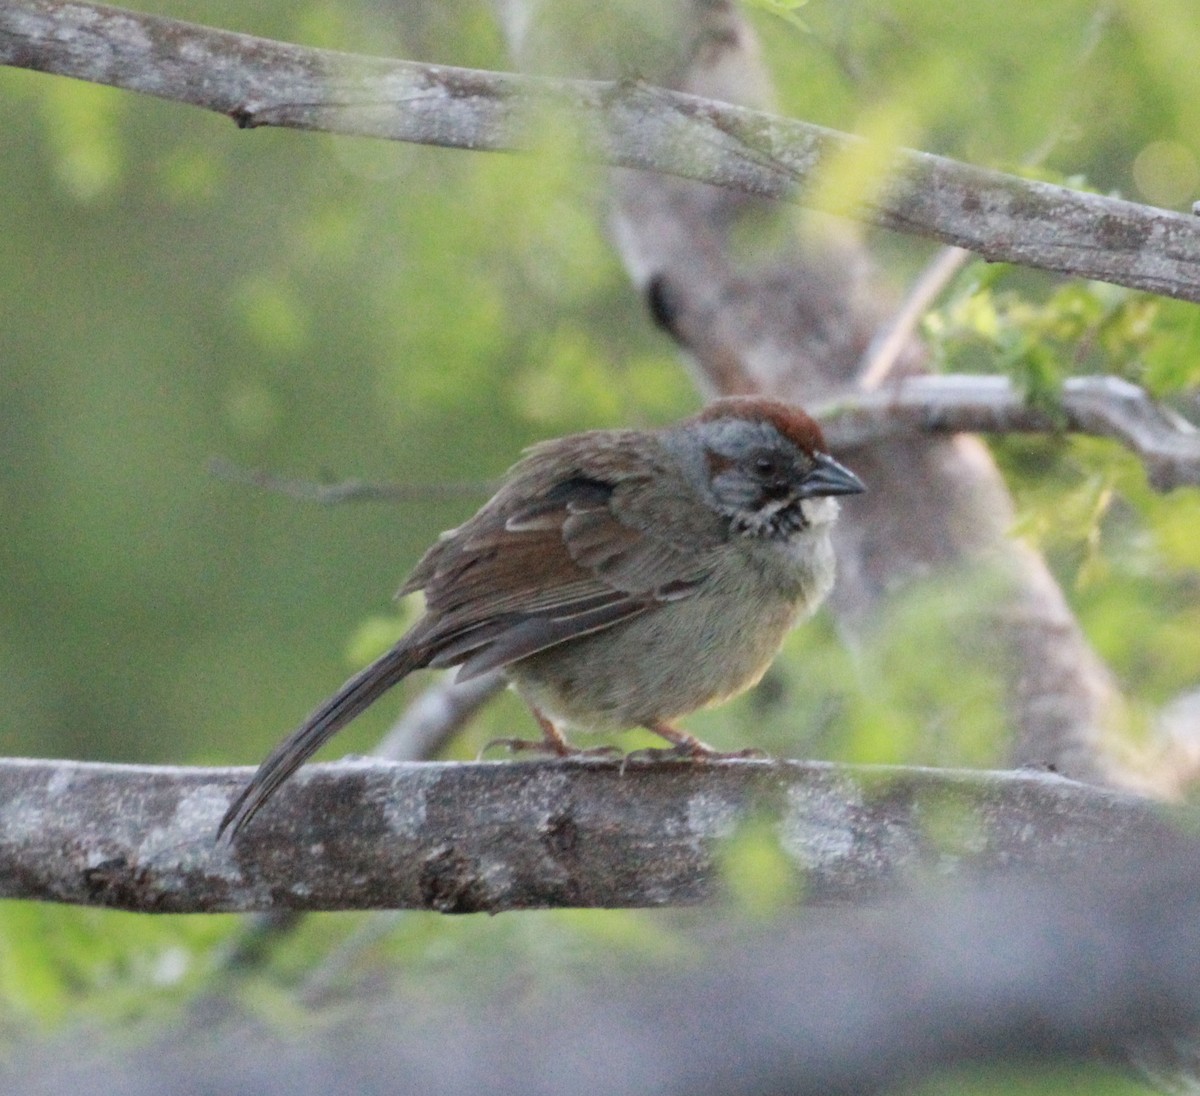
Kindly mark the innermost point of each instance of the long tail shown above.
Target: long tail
(361, 691)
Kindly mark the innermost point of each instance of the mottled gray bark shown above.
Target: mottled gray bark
(495, 836)
(1109, 407)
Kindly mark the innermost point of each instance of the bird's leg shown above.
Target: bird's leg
(551, 742)
(682, 743)
(688, 746)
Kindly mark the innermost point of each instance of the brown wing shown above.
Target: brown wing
(592, 551)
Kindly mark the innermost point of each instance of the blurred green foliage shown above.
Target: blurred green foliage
(173, 288)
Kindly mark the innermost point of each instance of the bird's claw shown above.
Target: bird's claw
(547, 746)
(690, 751)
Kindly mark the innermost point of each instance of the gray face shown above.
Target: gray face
(760, 479)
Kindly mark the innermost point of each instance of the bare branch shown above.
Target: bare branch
(506, 835)
(340, 491)
(1107, 407)
(893, 339)
(260, 82)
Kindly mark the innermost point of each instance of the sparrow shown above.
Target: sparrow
(619, 578)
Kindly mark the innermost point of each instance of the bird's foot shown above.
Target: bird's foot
(687, 747)
(552, 743)
(552, 747)
(656, 755)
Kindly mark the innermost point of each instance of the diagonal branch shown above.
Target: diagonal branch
(1108, 407)
(260, 82)
(460, 838)
(895, 337)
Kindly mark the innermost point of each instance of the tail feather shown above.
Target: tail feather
(354, 697)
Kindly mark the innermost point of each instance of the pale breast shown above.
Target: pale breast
(686, 654)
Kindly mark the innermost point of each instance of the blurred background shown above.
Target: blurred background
(174, 290)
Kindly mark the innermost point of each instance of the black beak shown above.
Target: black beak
(829, 478)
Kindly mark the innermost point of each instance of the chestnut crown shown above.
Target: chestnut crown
(763, 458)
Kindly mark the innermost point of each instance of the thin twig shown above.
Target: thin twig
(421, 732)
(436, 716)
(894, 337)
(1167, 444)
(335, 493)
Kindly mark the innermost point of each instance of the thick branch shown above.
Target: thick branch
(422, 730)
(261, 82)
(505, 835)
(1109, 407)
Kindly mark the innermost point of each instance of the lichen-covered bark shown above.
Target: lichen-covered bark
(465, 838)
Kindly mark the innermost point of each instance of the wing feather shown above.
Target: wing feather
(592, 551)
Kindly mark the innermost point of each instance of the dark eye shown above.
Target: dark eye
(766, 466)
